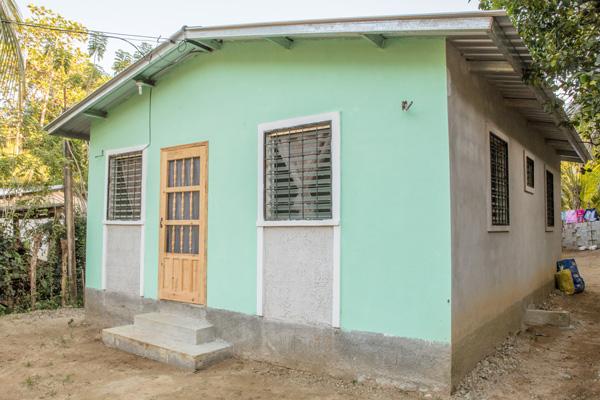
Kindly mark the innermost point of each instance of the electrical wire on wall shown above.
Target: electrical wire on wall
(150, 117)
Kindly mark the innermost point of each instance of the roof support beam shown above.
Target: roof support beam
(544, 126)
(284, 42)
(522, 103)
(213, 44)
(567, 153)
(558, 142)
(499, 38)
(74, 135)
(95, 114)
(199, 44)
(377, 40)
(496, 67)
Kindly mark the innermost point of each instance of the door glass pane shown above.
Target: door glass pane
(195, 205)
(169, 239)
(171, 174)
(179, 173)
(170, 205)
(187, 168)
(186, 239)
(196, 171)
(177, 241)
(178, 204)
(195, 238)
(186, 205)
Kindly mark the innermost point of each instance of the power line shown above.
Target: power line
(115, 35)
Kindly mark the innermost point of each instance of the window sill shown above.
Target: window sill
(495, 228)
(529, 190)
(549, 229)
(135, 223)
(327, 222)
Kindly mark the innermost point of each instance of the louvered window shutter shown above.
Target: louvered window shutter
(298, 173)
(125, 187)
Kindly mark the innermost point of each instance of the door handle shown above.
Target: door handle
(161, 222)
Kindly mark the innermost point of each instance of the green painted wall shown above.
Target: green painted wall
(395, 265)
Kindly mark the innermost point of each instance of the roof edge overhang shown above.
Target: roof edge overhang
(76, 121)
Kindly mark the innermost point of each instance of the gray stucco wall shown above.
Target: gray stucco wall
(297, 274)
(123, 258)
(494, 274)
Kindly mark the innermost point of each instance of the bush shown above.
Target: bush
(15, 257)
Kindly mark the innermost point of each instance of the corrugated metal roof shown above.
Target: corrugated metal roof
(486, 39)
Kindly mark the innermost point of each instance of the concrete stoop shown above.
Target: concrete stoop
(169, 338)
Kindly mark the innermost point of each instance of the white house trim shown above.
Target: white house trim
(140, 222)
(490, 128)
(554, 175)
(526, 155)
(334, 222)
(259, 270)
(336, 284)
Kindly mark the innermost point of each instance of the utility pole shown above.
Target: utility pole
(70, 223)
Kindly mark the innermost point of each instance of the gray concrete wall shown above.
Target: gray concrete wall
(297, 274)
(410, 364)
(494, 274)
(583, 234)
(123, 258)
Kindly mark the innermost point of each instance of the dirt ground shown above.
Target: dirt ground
(548, 362)
(57, 355)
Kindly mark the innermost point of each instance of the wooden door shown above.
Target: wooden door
(183, 213)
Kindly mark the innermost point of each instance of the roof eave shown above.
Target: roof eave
(129, 74)
(210, 38)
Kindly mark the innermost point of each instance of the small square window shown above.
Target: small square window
(124, 197)
(529, 172)
(499, 189)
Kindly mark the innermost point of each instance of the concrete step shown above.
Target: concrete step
(146, 343)
(194, 311)
(175, 327)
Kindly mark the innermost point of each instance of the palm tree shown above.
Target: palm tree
(12, 65)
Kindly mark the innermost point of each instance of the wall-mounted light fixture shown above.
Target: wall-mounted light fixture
(140, 83)
(406, 105)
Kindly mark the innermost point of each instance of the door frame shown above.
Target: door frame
(203, 209)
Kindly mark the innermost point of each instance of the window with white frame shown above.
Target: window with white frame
(298, 173)
(549, 199)
(529, 171)
(499, 185)
(124, 197)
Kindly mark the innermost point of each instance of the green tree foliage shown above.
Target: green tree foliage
(124, 59)
(563, 37)
(58, 74)
(97, 45)
(580, 186)
(12, 66)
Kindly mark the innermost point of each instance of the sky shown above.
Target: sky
(163, 18)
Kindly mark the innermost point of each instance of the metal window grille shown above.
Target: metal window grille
(530, 172)
(298, 173)
(549, 199)
(124, 187)
(499, 181)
